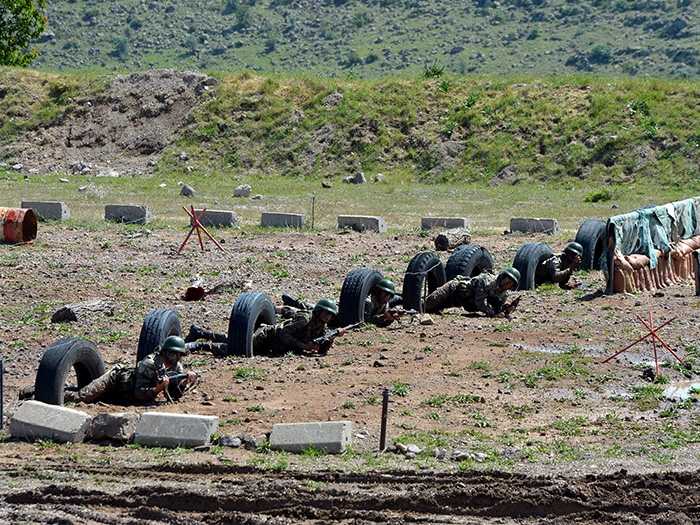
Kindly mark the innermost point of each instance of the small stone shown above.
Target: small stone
(415, 449)
(242, 191)
(230, 441)
(187, 191)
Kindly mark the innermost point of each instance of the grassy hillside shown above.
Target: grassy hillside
(376, 38)
(574, 147)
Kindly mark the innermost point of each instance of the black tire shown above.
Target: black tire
(424, 274)
(591, 236)
(357, 286)
(156, 328)
(469, 260)
(526, 260)
(250, 310)
(57, 362)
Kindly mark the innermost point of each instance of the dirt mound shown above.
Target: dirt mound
(121, 131)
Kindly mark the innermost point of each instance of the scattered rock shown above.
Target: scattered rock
(230, 441)
(506, 176)
(188, 191)
(243, 190)
(83, 311)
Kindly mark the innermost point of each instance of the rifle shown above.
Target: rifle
(182, 375)
(400, 312)
(334, 333)
(509, 308)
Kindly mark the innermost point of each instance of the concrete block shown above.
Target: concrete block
(217, 218)
(428, 223)
(362, 223)
(36, 420)
(129, 214)
(48, 211)
(332, 436)
(533, 225)
(158, 429)
(283, 220)
(117, 427)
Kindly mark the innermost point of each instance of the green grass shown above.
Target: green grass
(340, 40)
(525, 118)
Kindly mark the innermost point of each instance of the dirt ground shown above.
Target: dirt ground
(528, 425)
(519, 421)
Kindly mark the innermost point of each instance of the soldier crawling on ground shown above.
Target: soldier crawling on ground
(486, 293)
(296, 333)
(376, 311)
(139, 385)
(558, 269)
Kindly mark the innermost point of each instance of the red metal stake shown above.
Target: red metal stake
(661, 340)
(196, 225)
(653, 333)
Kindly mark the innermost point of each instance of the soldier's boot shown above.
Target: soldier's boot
(70, 396)
(293, 301)
(26, 393)
(197, 333)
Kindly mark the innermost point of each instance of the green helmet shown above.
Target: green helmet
(387, 286)
(512, 273)
(574, 247)
(326, 304)
(174, 344)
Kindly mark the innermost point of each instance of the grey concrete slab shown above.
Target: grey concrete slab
(159, 429)
(362, 223)
(35, 420)
(428, 223)
(534, 225)
(331, 436)
(117, 427)
(128, 213)
(217, 218)
(282, 220)
(48, 211)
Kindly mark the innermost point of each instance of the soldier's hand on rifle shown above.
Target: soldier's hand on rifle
(310, 347)
(341, 332)
(163, 383)
(191, 377)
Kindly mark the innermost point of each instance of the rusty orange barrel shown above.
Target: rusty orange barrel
(17, 225)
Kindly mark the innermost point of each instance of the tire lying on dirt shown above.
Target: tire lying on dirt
(469, 260)
(156, 328)
(73, 353)
(591, 236)
(250, 310)
(424, 274)
(527, 258)
(357, 286)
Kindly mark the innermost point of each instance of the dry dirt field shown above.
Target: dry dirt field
(555, 435)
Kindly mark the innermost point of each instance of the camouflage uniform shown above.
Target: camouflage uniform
(290, 335)
(129, 385)
(474, 294)
(374, 311)
(551, 271)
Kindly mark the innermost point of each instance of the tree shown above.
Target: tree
(20, 21)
